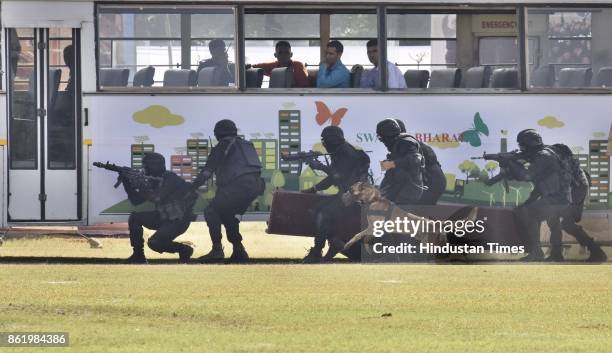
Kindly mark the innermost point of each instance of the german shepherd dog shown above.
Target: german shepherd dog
(379, 208)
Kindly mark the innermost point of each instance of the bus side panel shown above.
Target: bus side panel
(457, 127)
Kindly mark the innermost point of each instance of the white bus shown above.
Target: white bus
(87, 81)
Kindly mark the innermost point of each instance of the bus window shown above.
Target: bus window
(213, 48)
(272, 37)
(423, 46)
(575, 47)
(354, 31)
(295, 35)
(171, 44)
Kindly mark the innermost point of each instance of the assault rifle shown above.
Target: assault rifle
(503, 158)
(137, 179)
(310, 158)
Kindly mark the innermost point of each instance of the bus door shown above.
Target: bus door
(43, 113)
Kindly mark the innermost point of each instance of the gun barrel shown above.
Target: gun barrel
(107, 166)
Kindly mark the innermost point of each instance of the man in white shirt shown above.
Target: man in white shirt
(370, 78)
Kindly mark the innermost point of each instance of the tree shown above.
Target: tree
(491, 167)
(466, 168)
(278, 179)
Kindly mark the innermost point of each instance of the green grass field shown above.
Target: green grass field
(300, 308)
(316, 308)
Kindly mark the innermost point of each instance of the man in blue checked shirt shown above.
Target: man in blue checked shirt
(332, 73)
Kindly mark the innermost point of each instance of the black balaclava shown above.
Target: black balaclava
(225, 128)
(154, 164)
(332, 137)
(387, 131)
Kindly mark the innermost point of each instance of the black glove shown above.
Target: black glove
(201, 179)
(311, 190)
(315, 164)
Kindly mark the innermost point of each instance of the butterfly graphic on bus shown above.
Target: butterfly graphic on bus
(324, 114)
(472, 135)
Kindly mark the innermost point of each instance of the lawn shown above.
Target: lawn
(315, 308)
(283, 307)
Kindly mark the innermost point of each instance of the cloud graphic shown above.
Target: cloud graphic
(551, 122)
(157, 116)
(444, 144)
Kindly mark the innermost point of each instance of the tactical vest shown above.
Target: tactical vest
(240, 158)
(564, 178)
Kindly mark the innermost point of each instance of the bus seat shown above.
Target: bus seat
(416, 78)
(54, 81)
(445, 78)
(254, 77)
(144, 77)
(575, 77)
(356, 73)
(212, 76)
(312, 76)
(543, 76)
(114, 77)
(179, 78)
(505, 78)
(281, 77)
(477, 77)
(603, 77)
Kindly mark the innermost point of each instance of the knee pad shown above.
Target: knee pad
(156, 245)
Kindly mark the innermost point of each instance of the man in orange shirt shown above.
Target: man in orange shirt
(283, 56)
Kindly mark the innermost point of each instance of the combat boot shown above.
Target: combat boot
(596, 254)
(137, 257)
(214, 256)
(555, 257)
(335, 246)
(314, 256)
(239, 254)
(185, 254)
(534, 256)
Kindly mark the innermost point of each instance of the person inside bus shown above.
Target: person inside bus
(371, 78)
(219, 59)
(333, 73)
(283, 55)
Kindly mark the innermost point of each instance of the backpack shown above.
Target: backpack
(571, 166)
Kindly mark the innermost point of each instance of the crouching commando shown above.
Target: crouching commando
(173, 199)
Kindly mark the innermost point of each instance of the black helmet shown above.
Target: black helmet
(224, 128)
(332, 137)
(388, 128)
(401, 125)
(154, 164)
(529, 138)
(332, 134)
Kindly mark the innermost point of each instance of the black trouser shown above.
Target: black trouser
(166, 231)
(570, 225)
(532, 215)
(230, 200)
(436, 184)
(326, 214)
